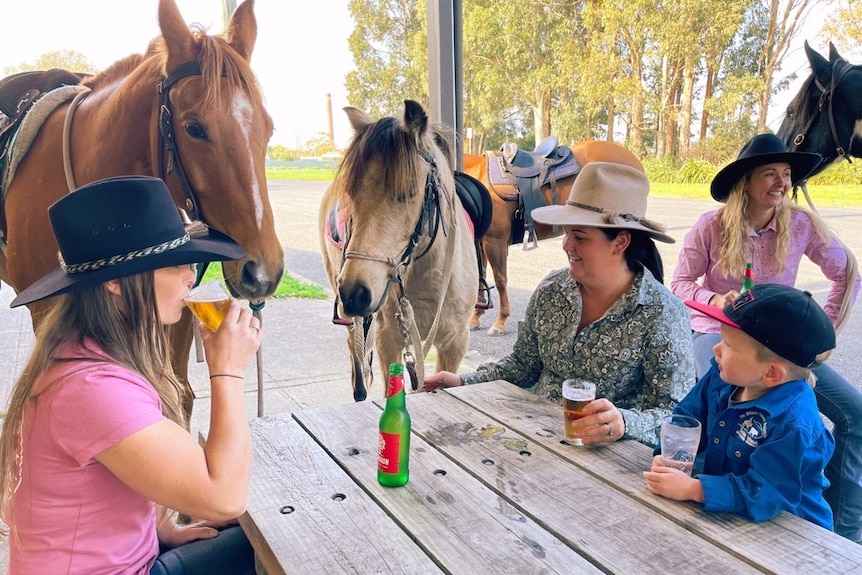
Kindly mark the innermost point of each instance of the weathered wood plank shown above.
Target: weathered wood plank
(787, 544)
(601, 523)
(334, 526)
(466, 527)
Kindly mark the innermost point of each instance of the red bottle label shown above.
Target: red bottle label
(387, 452)
(396, 384)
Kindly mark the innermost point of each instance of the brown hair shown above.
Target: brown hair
(127, 328)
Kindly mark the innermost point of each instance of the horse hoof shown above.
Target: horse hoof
(494, 331)
(474, 326)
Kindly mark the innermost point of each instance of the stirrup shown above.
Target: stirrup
(484, 303)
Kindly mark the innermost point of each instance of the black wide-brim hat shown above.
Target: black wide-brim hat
(120, 227)
(758, 151)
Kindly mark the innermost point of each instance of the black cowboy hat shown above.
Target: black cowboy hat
(758, 151)
(119, 227)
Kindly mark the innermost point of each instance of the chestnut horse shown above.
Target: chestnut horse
(190, 111)
(495, 243)
(397, 245)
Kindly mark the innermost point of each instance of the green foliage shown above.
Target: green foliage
(281, 153)
(839, 173)
(288, 287)
(301, 174)
(66, 59)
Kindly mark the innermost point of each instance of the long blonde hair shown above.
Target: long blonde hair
(734, 251)
(127, 328)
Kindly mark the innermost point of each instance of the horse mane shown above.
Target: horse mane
(219, 61)
(802, 106)
(387, 139)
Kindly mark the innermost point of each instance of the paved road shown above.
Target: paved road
(296, 204)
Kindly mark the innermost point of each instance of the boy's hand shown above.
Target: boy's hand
(672, 483)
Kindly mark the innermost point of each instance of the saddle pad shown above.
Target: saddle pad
(24, 136)
(476, 201)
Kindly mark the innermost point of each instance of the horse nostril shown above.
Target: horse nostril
(356, 301)
(256, 281)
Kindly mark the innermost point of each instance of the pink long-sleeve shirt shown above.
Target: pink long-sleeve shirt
(700, 251)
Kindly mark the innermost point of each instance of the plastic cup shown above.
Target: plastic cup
(209, 302)
(577, 393)
(680, 438)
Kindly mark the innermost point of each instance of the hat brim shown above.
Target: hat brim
(712, 311)
(216, 246)
(567, 215)
(801, 166)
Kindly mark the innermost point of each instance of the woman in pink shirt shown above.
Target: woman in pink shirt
(95, 455)
(760, 224)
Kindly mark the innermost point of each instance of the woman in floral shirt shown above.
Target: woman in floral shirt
(606, 318)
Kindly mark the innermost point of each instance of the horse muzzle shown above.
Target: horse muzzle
(357, 299)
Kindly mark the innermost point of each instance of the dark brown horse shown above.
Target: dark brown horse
(190, 111)
(826, 115)
(495, 243)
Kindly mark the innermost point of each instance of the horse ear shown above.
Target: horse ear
(357, 117)
(415, 117)
(834, 56)
(819, 65)
(242, 29)
(178, 38)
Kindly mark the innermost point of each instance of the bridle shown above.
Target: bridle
(839, 70)
(166, 134)
(169, 142)
(431, 217)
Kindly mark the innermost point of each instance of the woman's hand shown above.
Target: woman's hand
(440, 380)
(722, 301)
(171, 534)
(230, 349)
(672, 483)
(603, 423)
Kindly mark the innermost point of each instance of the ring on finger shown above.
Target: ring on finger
(610, 429)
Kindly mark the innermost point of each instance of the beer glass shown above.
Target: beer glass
(680, 438)
(209, 302)
(577, 393)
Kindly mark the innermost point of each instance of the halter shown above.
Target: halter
(431, 215)
(166, 132)
(839, 69)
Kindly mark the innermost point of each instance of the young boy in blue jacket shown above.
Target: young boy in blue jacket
(763, 446)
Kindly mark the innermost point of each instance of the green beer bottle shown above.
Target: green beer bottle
(393, 448)
(747, 278)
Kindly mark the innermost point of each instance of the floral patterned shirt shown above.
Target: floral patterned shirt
(638, 353)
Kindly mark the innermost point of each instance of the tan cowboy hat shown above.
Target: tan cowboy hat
(119, 227)
(605, 195)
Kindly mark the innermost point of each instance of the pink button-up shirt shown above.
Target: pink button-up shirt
(700, 251)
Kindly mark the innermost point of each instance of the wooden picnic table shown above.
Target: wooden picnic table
(493, 489)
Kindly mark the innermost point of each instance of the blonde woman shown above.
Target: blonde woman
(94, 451)
(760, 224)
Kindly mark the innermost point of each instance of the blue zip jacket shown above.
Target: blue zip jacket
(763, 456)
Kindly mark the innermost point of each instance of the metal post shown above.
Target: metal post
(445, 25)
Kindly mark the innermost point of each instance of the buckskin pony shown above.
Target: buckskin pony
(506, 202)
(397, 245)
(189, 110)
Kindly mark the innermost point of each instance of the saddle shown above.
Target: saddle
(18, 95)
(528, 172)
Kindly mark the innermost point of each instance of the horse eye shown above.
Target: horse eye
(196, 131)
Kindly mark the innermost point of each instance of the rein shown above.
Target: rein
(839, 69)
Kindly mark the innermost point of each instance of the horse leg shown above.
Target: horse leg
(497, 251)
(181, 336)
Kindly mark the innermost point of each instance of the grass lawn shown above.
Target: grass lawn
(288, 287)
(823, 196)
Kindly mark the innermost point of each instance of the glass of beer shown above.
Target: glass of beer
(680, 439)
(577, 393)
(209, 302)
